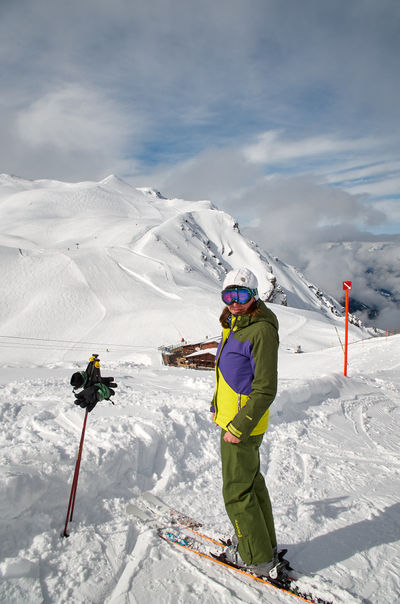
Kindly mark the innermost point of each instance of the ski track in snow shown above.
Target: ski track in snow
(331, 458)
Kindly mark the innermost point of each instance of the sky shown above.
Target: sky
(270, 108)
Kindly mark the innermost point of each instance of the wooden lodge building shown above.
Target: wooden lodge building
(192, 356)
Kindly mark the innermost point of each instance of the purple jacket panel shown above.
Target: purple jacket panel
(236, 364)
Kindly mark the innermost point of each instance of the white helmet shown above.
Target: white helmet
(242, 277)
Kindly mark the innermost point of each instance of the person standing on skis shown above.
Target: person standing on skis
(246, 385)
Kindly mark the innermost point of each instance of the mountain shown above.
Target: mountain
(89, 263)
(97, 262)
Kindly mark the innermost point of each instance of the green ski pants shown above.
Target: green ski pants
(246, 499)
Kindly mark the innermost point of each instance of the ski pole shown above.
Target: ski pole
(95, 388)
(78, 463)
(74, 487)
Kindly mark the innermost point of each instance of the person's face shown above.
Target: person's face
(240, 309)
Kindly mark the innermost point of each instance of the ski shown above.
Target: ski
(159, 507)
(156, 508)
(155, 513)
(187, 540)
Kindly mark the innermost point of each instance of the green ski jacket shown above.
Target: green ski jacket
(246, 373)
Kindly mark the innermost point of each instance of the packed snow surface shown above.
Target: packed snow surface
(331, 459)
(103, 268)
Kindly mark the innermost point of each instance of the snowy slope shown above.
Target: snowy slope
(86, 262)
(147, 271)
(331, 458)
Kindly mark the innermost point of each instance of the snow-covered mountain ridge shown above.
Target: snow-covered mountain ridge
(96, 261)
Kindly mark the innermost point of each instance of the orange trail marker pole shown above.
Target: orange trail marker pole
(346, 333)
(347, 287)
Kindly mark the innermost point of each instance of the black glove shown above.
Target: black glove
(79, 379)
(90, 396)
(109, 382)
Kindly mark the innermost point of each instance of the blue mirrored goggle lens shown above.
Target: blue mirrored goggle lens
(241, 295)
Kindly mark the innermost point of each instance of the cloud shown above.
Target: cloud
(205, 75)
(271, 147)
(295, 213)
(371, 266)
(391, 209)
(271, 175)
(364, 172)
(71, 118)
(70, 131)
(387, 186)
(215, 174)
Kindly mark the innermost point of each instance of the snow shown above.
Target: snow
(330, 456)
(212, 351)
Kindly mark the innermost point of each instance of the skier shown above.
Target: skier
(246, 384)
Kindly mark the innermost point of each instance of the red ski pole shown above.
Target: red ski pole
(72, 496)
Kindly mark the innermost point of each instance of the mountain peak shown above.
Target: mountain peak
(112, 179)
(152, 193)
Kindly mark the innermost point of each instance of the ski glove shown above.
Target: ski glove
(79, 379)
(109, 382)
(89, 397)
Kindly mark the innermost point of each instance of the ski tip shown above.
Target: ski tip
(134, 510)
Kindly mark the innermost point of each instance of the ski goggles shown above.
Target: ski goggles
(241, 295)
